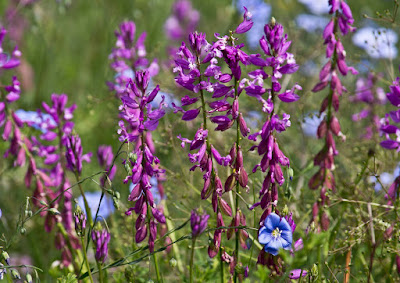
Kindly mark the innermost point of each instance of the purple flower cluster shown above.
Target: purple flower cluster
(198, 223)
(74, 155)
(128, 56)
(100, 238)
(387, 127)
(9, 94)
(184, 20)
(341, 21)
(275, 46)
(369, 94)
(54, 146)
(137, 111)
(105, 157)
(199, 71)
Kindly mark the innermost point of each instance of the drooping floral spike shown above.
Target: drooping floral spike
(341, 22)
(137, 111)
(101, 238)
(198, 69)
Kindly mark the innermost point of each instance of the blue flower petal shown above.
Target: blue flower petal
(264, 236)
(271, 250)
(271, 222)
(287, 239)
(273, 245)
(284, 225)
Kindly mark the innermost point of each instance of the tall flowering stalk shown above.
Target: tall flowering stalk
(137, 112)
(199, 71)
(277, 63)
(324, 179)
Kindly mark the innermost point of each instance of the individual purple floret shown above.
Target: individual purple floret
(8, 60)
(74, 155)
(198, 223)
(101, 238)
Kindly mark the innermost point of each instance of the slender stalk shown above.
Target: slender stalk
(237, 188)
(74, 253)
(191, 259)
(221, 266)
(101, 276)
(85, 259)
(159, 278)
(87, 208)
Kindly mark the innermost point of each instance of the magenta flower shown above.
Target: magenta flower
(198, 223)
(101, 238)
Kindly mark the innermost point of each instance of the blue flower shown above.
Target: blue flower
(311, 23)
(311, 123)
(93, 199)
(377, 42)
(275, 234)
(39, 121)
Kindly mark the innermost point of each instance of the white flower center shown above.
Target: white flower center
(276, 233)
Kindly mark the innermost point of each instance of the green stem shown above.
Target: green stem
(74, 253)
(85, 258)
(221, 266)
(191, 259)
(100, 267)
(159, 278)
(87, 208)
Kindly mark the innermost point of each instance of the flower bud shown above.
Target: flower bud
(15, 274)
(6, 257)
(54, 211)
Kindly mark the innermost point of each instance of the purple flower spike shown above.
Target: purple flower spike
(74, 155)
(198, 223)
(100, 238)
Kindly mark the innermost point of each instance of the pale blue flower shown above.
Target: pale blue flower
(377, 42)
(316, 6)
(38, 121)
(276, 234)
(311, 123)
(311, 23)
(93, 199)
(385, 178)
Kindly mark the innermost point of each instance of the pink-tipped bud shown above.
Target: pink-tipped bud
(224, 206)
(244, 130)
